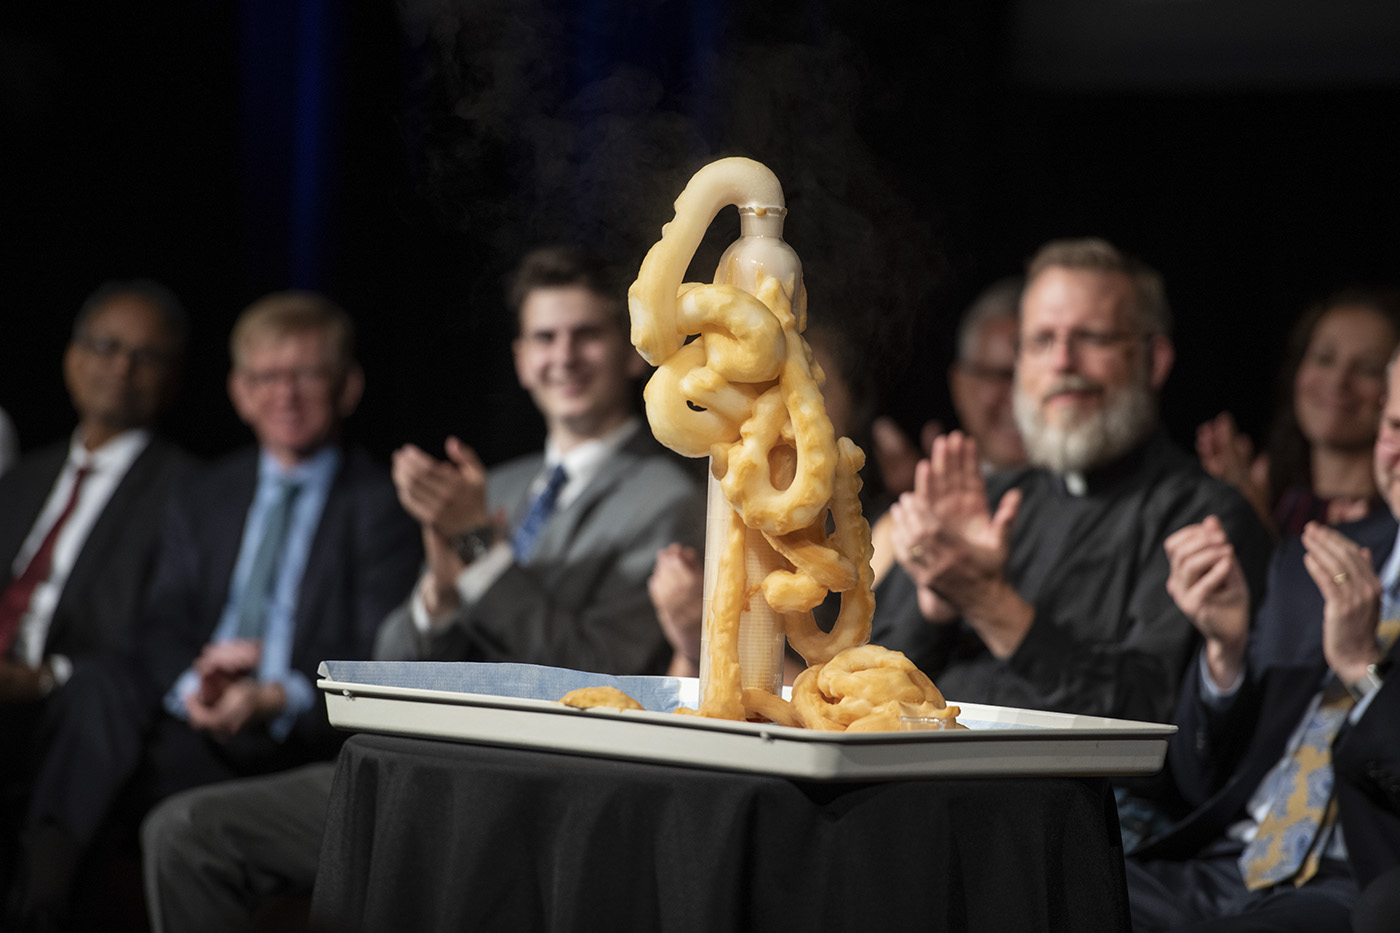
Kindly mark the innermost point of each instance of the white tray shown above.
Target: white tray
(1000, 740)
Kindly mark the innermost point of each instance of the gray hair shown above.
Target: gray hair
(1149, 294)
(1001, 299)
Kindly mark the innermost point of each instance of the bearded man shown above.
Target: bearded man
(1044, 587)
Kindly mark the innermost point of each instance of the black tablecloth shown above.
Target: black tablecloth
(436, 836)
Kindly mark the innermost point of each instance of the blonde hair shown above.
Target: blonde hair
(282, 314)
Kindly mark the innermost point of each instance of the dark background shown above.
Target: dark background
(400, 157)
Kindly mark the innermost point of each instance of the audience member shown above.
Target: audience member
(578, 598)
(1056, 599)
(1318, 463)
(79, 522)
(548, 561)
(982, 378)
(980, 381)
(270, 561)
(1271, 843)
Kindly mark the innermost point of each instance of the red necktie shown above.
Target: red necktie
(15, 600)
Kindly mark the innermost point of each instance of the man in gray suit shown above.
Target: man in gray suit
(597, 504)
(544, 560)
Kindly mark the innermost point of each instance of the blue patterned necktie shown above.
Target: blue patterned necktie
(528, 534)
(257, 592)
(1292, 836)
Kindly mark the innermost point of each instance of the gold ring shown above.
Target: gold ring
(916, 551)
(1340, 578)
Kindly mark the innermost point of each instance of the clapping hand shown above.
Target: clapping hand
(1228, 454)
(1341, 568)
(448, 496)
(676, 589)
(944, 534)
(1208, 585)
(894, 454)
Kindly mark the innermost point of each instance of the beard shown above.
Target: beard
(1126, 417)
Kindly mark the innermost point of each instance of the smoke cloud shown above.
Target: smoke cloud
(535, 121)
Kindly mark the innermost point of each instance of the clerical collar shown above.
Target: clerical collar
(1102, 477)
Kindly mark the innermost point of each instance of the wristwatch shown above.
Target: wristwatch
(471, 544)
(1369, 683)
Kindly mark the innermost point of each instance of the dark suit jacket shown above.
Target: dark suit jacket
(364, 559)
(102, 598)
(1218, 758)
(1107, 639)
(1367, 759)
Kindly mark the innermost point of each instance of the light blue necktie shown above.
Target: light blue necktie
(527, 535)
(257, 592)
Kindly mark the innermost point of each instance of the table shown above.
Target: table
(429, 835)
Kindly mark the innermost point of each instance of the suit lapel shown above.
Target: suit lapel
(323, 560)
(102, 543)
(22, 509)
(111, 524)
(227, 516)
(565, 526)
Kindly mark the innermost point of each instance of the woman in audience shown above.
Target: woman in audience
(1317, 465)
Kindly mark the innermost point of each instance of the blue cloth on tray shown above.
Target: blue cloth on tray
(523, 681)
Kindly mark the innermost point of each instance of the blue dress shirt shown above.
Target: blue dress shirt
(315, 477)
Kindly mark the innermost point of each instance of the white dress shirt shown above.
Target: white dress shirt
(108, 465)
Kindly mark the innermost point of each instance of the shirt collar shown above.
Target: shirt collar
(582, 462)
(315, 470)
(115, 456)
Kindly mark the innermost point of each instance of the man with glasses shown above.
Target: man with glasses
(271, 560)
(1046, 588)
(79, 520)
(981, 378)
(980, 382)
(576, 597)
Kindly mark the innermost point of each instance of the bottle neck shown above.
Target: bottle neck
(767, 223)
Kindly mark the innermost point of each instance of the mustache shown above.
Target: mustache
(1072, 383)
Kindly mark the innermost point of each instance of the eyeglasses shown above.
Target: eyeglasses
(1078, 341)
(302, 378)
(997, 374)
(107, 348)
